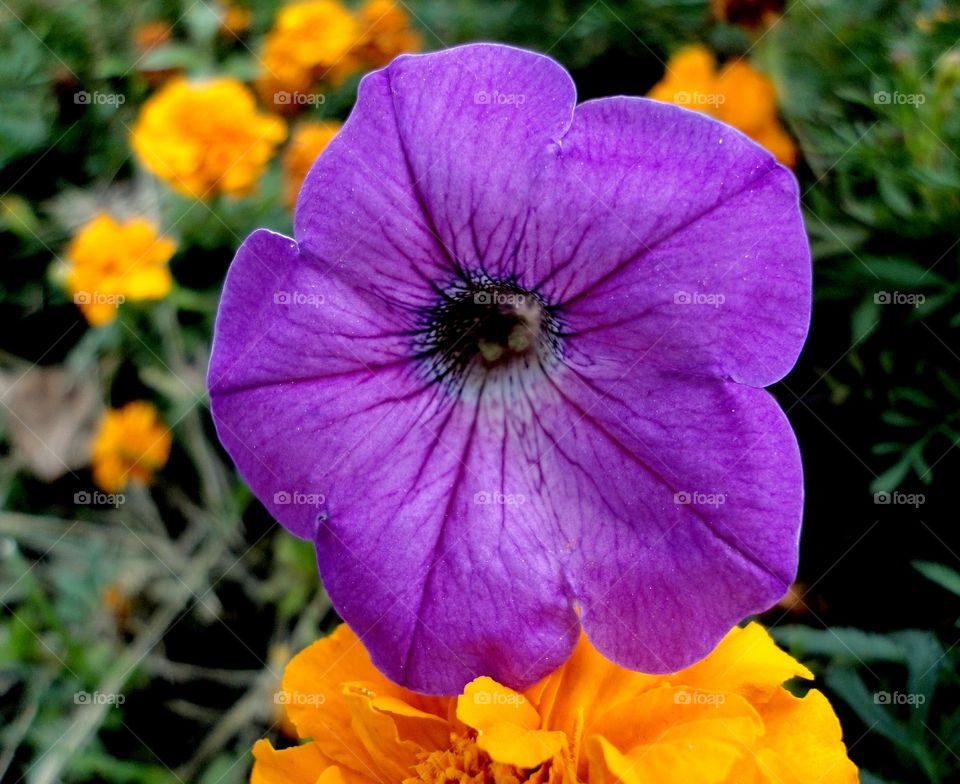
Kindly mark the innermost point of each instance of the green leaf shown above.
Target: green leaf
(864, 319)
(849, 686)
(26, 96)
(897, 419)
(903, 272)
(925, 657)
(893, 476)
(894, 196)
(841, 644)
(866, 777)
(942, 575)
(171, 56)
(888, 448)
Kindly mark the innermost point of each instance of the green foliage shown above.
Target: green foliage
(25, 93)
(911, 704)
(872, 91)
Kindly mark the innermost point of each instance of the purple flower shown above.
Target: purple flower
(508, 374)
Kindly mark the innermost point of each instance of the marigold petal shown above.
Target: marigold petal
(319, 705)
(98, 314)
(571, 695)
(378, 733)
(748, 662)
(690, 80)
(751, 101)
(692, 62)
(297, 765)
(806, 738)
(485, 703)
(666, 712)
(510, 744)
(703, 760)
(426, 730)
(148, 282)
(779, 142)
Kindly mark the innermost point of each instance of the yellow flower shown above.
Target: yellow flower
(307, 142)
(310, 42)
(111, 262)
(130, 445)
(726, 719)
(737, 95)
(206, 137)
(386, 33)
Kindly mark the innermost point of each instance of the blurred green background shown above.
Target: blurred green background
(142, 640)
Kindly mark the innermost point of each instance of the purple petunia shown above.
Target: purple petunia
(508, 375)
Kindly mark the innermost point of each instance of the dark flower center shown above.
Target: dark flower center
(485, 325)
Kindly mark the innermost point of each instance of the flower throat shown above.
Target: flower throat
(487, 327)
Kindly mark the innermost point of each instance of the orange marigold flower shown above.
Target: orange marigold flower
(235, 20)
(737, 95)
(111, 262)
(206, 137)
(310, 43)
(386, 33)
(151, 34)
(307, 142)
(726, 719)
(131, 444)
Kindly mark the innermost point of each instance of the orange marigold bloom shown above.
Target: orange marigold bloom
(726, 719)
(235, 20)
(111, 262)
(386, 33)
(206, 137)
(737, 95)
(151, 34)
(307, 142)
(131, 444)
(310, 42)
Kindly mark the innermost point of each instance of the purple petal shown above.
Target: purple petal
(440, 158)
(291, 339)
(455, 572)
(656, 214)
(693, 522)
